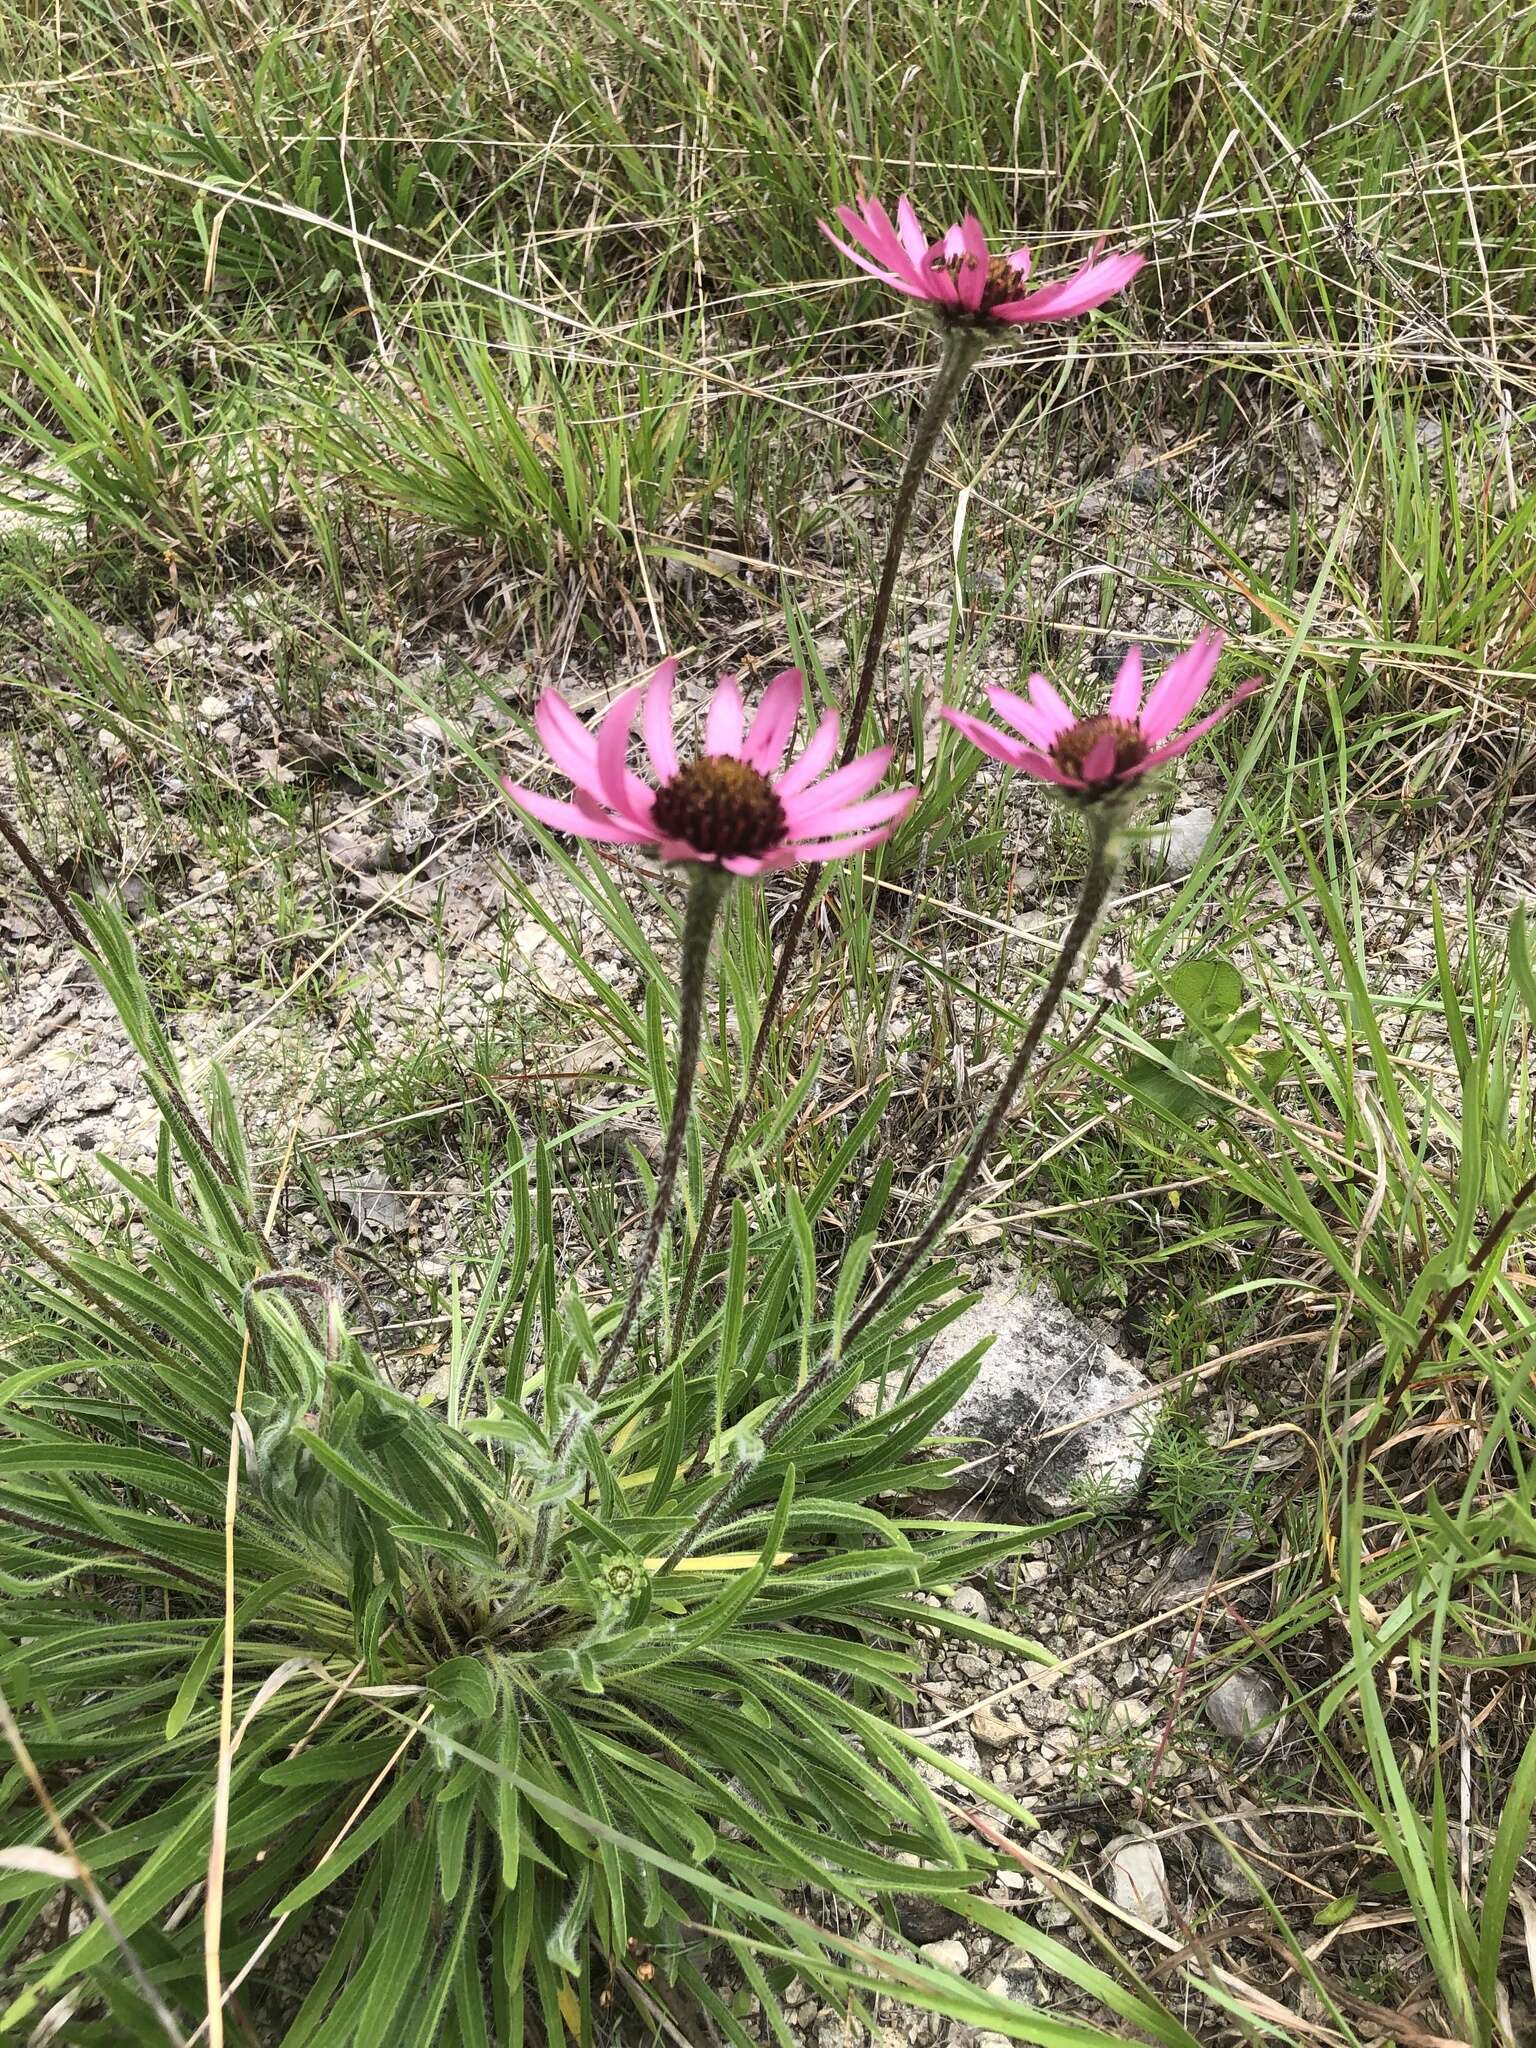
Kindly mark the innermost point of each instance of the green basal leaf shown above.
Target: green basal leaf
(1208, 991)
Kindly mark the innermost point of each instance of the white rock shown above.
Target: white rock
(1045, 1414)
(1246, 1707)
(960, 1748)
(996, 1730)
(1174, 848)
(1138, 1879)
(947, 1955)
(967, 1600)
(1128, 1713)
(372, 1206)
(1016, 1980)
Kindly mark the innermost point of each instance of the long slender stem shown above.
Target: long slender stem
(962, 347)
(1098, 884)
(706, 892)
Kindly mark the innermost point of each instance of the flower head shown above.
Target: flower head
(1093, 758)
(961, 279)
(734, 805)
(1111, 981)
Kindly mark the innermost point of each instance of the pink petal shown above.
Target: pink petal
(1080, 293)
(817, 755)
(674, 850)
(972, 280)
(936, 275)
(891, 243)
(775, 721)
(908, 227)
(1019, 261)
(842, 786)
(636, 818)
(1125, 697)
(656, 721)
(722, 725)
(1185, 740)
(851, 817)
(1099, 762)
(1050, 703)
(1022, 716)
(885, 276)
(999, 746)
(561, 816)
(569, 744)
(1002, 746)
(871, 228)
(1180, 687)
(744, 864)
(613, 776)
(865, 232)
(832, 849)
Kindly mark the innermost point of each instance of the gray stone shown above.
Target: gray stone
(1016, 1979)
(996, 1730)
(1131, 1713)
(23, 1110)
(968, 1601)
(1222, 1870)
(372, 1207)
(95, 1099)
(925, 1919)
(1138, 1879)
(1035, 1414)
(959, 1748)
(1175, 847)
(1246, 1707)
(947, 1955)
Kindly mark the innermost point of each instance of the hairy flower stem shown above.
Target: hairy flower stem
(706, 893)
(962, 348)
(1076, 948)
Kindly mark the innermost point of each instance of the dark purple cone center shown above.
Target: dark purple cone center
(721, 806)
(1071, 749)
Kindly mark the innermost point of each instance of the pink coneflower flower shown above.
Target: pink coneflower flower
(1092, 758)
(734, 806)
(959, 276)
